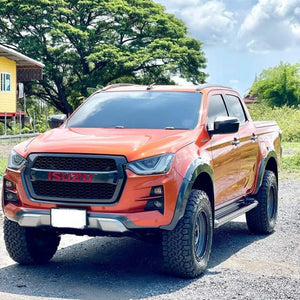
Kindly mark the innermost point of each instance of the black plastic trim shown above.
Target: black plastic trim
(197, 167)
(262, 168)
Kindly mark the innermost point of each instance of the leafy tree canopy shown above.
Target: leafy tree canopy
(90, 43)
(279, 85)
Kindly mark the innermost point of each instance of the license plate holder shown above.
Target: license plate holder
(68, 218)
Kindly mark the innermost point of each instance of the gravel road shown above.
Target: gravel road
(242, 266)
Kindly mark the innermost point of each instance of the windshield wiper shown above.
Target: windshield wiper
(174, 128)
(170, 128)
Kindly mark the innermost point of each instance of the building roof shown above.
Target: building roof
(21, 60)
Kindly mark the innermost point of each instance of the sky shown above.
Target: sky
(241, 37)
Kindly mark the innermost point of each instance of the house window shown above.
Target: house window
(5, 82)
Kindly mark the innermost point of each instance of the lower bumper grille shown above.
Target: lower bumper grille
(73, 178)
(74, 190)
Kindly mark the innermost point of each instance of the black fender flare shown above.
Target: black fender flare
(196, 167)
(262, 168)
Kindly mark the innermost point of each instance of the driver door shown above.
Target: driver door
(225, 154)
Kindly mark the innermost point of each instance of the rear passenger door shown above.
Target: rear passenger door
(248, 145)
(225, 154)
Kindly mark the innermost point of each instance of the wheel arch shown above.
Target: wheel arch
(199, 175)
(269, 163)
(204, 182)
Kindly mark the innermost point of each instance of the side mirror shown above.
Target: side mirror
(55, 121)
(223, 125)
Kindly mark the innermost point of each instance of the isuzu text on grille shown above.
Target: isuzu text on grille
(75, 177)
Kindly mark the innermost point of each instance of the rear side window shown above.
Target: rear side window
(216, 108)
(235, 108)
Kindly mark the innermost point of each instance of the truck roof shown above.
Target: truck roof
(153, 87)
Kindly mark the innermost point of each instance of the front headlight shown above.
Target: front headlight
(15, 161)
(159, 164)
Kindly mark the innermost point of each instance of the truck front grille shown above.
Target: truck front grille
(75, 163)
(73, 178)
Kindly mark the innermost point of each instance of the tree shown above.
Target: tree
(90, 43)
(279, 85)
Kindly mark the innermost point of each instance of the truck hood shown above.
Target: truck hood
(132, 143)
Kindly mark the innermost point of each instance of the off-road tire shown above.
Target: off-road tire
(262, 219)
(27, 245)
(186, 249)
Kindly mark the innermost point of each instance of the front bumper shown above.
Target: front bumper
(103, 222)
(129, 213)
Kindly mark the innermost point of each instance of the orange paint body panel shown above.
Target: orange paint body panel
(145, 174)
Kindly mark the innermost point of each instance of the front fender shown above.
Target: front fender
(196, 167)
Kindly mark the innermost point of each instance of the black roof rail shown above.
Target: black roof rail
(117, 85)
(150, 86)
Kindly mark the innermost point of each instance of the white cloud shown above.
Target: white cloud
(208, 21)
(241, 37)
(271, 25)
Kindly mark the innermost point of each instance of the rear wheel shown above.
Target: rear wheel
(27, 245)
(262, 219)
(186, 249)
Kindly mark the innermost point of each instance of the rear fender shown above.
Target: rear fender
(268, 162)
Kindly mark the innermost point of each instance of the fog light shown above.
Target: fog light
(10, 197)
(158, 203)
(9, 184)
(157, 191)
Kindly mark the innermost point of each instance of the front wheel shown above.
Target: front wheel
(27, 245)
(186, 249)
(262, 219)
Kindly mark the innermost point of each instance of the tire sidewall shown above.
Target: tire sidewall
(178, 245)
(203, 207)
(271, 185)
(27, 245)
(259, 219)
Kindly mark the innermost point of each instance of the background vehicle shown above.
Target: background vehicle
(177, 161)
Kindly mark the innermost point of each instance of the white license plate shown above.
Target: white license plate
(68, 218)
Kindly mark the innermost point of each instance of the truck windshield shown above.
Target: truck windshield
(145, 109)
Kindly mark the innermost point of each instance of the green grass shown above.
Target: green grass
(290, 163)
(287, 118)
(3, 163)
(290, 149)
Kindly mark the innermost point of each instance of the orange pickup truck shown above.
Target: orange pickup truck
(170, 161)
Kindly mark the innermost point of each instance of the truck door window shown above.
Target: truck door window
(216, 108)
(235, 108)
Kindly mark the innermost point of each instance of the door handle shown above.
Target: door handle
(254, 137)
(235, 141)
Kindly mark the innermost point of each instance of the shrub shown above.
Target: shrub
(287, 118)
(291, 162)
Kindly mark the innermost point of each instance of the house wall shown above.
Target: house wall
(8, 99)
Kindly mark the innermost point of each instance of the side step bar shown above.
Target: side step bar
(234, 210)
